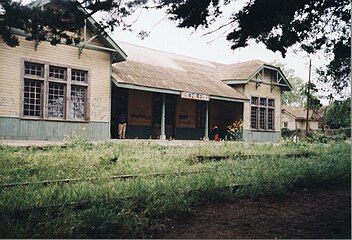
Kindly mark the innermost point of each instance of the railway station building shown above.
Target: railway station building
(170, 96)
(48, 92)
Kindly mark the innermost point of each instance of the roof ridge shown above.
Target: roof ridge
(195, 58)
(165, 52)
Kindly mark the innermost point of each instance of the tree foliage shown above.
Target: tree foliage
(338, 114)
(308, 91)
(61, 24)
(278, 24)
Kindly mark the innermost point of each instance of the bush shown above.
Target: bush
(316, 137)
(287, 133)
(319, 137)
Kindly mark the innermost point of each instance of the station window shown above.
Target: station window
(49, 93)
(262, 113)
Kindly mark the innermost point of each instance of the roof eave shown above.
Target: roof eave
(229, 99)
(107, 40)
(170, 91)
(288, 113)
(235, 81)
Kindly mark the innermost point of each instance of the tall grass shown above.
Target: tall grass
(139, 207)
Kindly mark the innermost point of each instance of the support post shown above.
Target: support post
(308, 90)
(206, 125)
(162, 127)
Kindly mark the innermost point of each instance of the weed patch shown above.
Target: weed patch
(159, 182)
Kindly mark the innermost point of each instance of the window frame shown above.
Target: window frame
(45, 81)
(266, 108)
(41, 96)
(256, 106)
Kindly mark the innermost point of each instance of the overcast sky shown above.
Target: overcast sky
(165, 36)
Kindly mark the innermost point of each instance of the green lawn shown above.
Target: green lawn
(97, 206)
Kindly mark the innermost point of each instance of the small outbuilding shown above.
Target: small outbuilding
(294, 118)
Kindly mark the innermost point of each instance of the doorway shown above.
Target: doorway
(119, 103)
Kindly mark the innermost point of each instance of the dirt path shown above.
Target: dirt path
(322, 213)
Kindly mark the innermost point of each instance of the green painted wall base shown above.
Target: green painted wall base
(15, 128)
(145, 132)
(254, 136)
(189, 133)
(140, 132)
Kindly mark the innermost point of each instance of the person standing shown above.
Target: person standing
(122, 124)
(216, 134)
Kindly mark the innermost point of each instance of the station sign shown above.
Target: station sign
(195, 96)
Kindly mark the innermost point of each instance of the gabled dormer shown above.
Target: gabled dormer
(255, 71)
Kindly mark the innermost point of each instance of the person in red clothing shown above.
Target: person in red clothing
(216, 134)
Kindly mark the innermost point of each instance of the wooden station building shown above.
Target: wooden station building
(170, 96)
(48, 92)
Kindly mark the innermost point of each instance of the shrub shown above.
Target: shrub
(319, 137)
(287, 133)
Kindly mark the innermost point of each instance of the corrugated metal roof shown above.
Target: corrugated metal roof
(239, 71)
(152, 68)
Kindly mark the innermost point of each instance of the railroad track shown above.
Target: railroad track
(92, 179)
(161, 174)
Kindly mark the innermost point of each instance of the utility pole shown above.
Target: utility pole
(308, 93)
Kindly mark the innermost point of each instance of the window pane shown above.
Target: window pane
(262, 113)
(33, 69)
(254, 117)
(77, 75)
(263, 101)
(271, 103)
(57, 73)
(56, 100)
(77, 109)
(271, 119)
(32, 98)
(254, 101)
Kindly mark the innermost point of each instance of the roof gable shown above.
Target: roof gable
(296, 112)
(239, 71)
(244, 72)
(109, 44)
